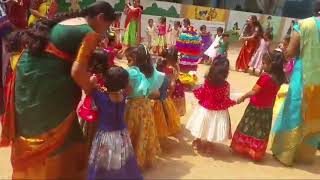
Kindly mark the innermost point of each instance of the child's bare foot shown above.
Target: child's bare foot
(196, 143)
(208, 148)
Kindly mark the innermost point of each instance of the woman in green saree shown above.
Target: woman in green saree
(40, 118)
(297, 128)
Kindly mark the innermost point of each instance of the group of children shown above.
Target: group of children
(129, 113)
(160, 37)
(210, 121)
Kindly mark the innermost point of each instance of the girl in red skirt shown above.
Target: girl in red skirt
(252, 134)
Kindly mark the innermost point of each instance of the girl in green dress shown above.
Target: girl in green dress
(40, 118)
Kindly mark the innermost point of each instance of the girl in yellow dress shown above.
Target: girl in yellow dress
(139, 115)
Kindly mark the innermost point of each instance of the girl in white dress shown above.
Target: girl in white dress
(212, 51)
(210, 121)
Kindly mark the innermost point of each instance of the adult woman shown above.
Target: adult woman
(251, 36)
(297, 129)
(132, 35)
(40, 117)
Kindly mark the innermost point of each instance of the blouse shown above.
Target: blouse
(214, 97)
(110, 114)
(265, 98)
(138, 83)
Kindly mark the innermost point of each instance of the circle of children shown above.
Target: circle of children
(148, 97)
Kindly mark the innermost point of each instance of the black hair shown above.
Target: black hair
(161, 64)
(99, 62)
(172, 55)
(117, 78)
(143, 61)
(257, 24)
(131, 52)
(225, 35)
(38, 34)
(111, 37)
(276, 60)
(149, 20)
(163, 19)
(118, 14)
(220, 29)
(287, 38)
(177, 23)
(203, 27)
(269, 34)
(219, 71)
(269, 17)
(15, 41)
(187, 21)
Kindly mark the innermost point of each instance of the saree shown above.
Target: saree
(40, 117)
(297, 128)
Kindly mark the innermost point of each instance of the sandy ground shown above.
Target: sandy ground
(180, 161)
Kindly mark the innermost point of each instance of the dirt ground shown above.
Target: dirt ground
(179, 161)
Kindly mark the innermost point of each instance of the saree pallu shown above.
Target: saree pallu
(297, 129)
(48, 141)
(141, 125)
(252, 134)
(246, 53)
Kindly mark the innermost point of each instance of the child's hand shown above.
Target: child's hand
(240, 100)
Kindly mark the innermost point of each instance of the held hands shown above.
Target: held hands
(241, 100)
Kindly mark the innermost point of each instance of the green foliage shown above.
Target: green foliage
(158, 11)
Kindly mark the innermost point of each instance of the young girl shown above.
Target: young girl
(256, 60)
(223, 45)
(172, 70)
(162, 31)
(151, 36)
(139, 115)
(212, 51)
(210, 121)
(164, 104)
(206, 38)
(116, 28)
(87, 110)
(112, 155)
(252, 134)
(110, 48)
(174, 33)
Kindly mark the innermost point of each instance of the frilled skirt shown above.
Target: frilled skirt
(112, 157)
(210, 125)
(141, 125)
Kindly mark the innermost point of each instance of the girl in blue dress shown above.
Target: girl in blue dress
(112, 155)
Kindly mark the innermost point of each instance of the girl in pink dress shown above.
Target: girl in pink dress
(264, 47)
(210, 121)
(162, 31)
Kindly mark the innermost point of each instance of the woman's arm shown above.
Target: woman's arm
(294, 46)
(79, 71)
(36, 13)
